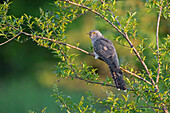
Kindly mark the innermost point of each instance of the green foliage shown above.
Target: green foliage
(48, 31)
(84, 105)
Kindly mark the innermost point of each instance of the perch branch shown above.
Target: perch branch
(58, 42)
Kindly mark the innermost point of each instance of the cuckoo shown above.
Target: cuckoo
(104, 49)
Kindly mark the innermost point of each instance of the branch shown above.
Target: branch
(144, 100)
(65, 105)
(113, 15)
(79, 15)
(135, 75)
(123, 34)
(97, 13)
(122, 44)
(10, 39)
(58, 42)
(157, 42)
(149, 107)
(93, 82)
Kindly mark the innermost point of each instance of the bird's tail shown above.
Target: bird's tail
(118, 78)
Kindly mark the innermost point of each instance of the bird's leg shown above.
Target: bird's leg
(96, 55)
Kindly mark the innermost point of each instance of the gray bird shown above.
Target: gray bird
(104, 49)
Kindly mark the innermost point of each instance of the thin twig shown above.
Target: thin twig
(158, 54)
(135, 75)
(93, 82)
(122, 44)
(58, 42)
(52, 40)
(144, 101)
(79, 15)
(123, 34)
(10, 39)
(113, 15)
(65, 105)
(148, 107)
(157, 43)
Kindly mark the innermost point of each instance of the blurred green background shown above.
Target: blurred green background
(26, 78)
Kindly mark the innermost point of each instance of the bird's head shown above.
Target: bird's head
(94, 34)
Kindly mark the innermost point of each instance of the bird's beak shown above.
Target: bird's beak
(88, 33)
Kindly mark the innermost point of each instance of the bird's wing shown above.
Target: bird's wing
(106, 51)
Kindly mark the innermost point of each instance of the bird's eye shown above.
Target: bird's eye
(94, 33)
